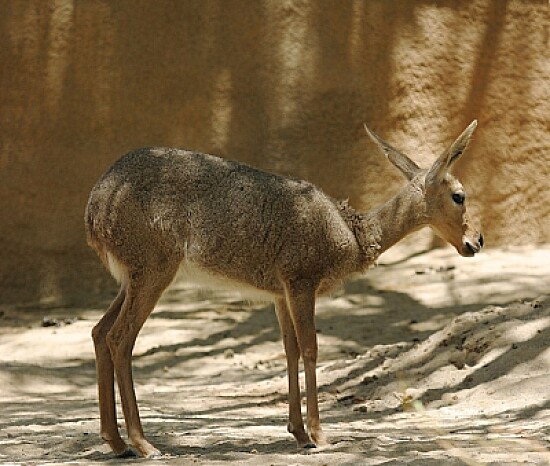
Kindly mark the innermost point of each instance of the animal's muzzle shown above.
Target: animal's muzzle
(470, 248)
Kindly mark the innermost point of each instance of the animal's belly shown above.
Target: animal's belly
(202, 278)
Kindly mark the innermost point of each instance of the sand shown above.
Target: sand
(430, 359)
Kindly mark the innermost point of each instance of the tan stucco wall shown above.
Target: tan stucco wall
(285, 85)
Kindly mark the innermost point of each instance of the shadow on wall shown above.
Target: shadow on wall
(281, 85)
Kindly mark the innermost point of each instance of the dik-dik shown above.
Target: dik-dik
(273, 238)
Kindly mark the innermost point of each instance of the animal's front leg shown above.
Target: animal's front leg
(301, 300)
(292, 351)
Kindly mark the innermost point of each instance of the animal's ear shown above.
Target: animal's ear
(400, 160)
(445, 162)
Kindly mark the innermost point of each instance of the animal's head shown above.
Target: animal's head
(444, 202)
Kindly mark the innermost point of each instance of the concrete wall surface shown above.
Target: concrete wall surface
(284, 85)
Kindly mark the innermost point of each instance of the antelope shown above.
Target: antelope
(231, 226)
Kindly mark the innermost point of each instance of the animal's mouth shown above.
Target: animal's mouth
(471, 248)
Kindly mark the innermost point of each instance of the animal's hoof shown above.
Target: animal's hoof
(157, 455)
(309, 446)
(129, 453)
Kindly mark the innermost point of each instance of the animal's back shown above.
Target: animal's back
(224, 217)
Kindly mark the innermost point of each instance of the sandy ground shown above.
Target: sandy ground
(429, 360)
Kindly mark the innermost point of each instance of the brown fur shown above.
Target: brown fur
(282, 239)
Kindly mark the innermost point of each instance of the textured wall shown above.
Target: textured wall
(284, 85)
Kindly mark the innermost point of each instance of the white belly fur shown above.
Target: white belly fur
(201, 278)
(197, 277)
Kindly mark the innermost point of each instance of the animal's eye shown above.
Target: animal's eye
(458, 198)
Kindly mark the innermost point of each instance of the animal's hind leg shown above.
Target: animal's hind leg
(105, 377)
(142, 294)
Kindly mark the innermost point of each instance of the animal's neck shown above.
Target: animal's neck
(403, 214)
(381, 228)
